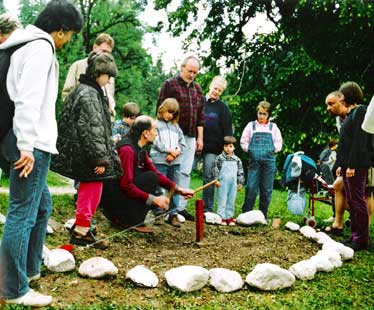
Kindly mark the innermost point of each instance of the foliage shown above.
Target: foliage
(316, 45)
(138, 79)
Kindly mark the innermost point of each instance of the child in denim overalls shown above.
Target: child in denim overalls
(261, 139)
(228, 170)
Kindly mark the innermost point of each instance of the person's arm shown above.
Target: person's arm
(277, 138)
(165, 92)
(199, 139)
(246, 137)
(70, 81)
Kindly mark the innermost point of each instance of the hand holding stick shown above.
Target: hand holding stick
(205, 186)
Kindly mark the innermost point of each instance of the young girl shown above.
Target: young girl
(86, 151)
(261, 139)
(168, 146)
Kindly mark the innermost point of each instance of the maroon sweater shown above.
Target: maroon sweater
(127, 155)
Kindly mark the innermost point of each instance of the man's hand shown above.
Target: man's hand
(169, 158)
(185, 192)
(339, 172)
(240, 186)
(217, 184)
(349, 173)
(161, 202)
(199, 144)
(175, 153)
(26, 163)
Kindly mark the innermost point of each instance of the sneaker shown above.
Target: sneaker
(159, 220)
(331, 219)
(173, 220)
(186, 215)
(223, 222)
(87, 239)
(31, 298)
(33, 278)
(230, 222)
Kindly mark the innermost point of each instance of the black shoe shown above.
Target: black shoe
(356, 246)
(87, 239)
(186, 215)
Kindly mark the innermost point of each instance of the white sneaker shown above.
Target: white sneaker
(33, 278)
(31, 298)
(331, 219)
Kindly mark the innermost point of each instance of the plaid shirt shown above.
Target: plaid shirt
(191, 103)
(218, 165)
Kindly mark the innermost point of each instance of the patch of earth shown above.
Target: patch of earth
(236, 248)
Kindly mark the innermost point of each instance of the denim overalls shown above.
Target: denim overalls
(261, 170)
(226, 193)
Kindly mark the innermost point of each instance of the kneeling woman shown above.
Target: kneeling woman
(86, 151)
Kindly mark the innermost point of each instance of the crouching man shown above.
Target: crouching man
(126, 201)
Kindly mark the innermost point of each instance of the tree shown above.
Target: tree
(120, 20)
(316, 46)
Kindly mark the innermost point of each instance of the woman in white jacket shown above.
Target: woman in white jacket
(32, 84)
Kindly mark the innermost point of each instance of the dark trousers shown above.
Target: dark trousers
(118, 208)
(355, 192)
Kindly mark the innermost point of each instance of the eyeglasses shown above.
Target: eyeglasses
(262, 113)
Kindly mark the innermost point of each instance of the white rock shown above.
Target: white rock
(2, 218)
(97, 267)
(333, 256)
(59, 260)
(270, 277)
(46, 252)
(304, 270)
(308, 232)
(50, 230)
(322, 263)
(212, 218)
(179, 216)
(292, 226)
(69, 224)
(225, 280)
(187, 278)
(251, 218)
(142, 276)
(321, 237)
(346, 253)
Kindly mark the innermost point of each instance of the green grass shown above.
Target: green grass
(346, 288)
(53, 179)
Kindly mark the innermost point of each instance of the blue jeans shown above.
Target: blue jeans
(172, 173)
(260, 177)
(187, 160)
(208, 193)
(30, 206)
(226, 193)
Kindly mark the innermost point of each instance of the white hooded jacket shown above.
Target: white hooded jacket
(32, 84)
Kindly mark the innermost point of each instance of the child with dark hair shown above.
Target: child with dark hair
(121, 128)
(228, 170)
(86, 151)
(327, 160)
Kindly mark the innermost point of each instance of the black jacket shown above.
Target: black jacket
(84, 135)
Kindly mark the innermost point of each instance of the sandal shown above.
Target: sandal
(334, 230)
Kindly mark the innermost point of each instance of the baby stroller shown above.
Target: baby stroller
(300, 173)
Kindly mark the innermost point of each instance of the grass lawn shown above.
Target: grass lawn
(348, 287)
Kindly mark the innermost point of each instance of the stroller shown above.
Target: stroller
(300, 172)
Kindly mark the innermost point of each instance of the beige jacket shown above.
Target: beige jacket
(72, 79)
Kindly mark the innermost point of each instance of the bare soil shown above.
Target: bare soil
(236, 248)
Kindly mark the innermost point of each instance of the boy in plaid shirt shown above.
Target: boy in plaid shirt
(228, 170)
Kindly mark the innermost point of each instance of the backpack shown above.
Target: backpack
(6, 104)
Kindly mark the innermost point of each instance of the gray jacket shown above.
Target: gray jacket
(169, 136)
